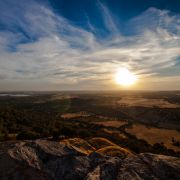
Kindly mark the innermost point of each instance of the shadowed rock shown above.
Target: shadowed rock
(42, 159)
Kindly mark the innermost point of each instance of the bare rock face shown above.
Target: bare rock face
(47, 160)
(150, 166)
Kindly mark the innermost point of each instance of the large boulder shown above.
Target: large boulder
(48, 160)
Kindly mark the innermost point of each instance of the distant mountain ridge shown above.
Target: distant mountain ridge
(75, 158)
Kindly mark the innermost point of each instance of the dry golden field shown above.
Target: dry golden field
(143, 102)
(111, 123)
(155, 135)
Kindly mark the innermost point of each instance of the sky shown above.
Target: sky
(80, 44)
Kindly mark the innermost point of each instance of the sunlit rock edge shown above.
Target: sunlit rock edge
(71, 159)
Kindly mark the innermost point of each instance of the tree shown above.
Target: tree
(1, 125)
(27, 135)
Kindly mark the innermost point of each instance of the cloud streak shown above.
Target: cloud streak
(39, 45)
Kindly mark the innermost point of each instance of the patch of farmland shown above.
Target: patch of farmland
(155, 135)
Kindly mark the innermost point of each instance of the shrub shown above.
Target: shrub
(68, 131)
(27, 135)
(56, 134)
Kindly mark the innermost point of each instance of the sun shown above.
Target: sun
(124, 77)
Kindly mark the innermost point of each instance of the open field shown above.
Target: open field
(143, 102)
(111, 123)
(155, 135)
(75, 115)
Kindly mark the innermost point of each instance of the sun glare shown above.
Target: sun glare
(125, 78)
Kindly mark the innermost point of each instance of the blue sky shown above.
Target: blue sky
(79, 45)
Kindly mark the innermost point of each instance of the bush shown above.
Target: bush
(84, 133)
(56, 134)
(27, 135)
(68, 131)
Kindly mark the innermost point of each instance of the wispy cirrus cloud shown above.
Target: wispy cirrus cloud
(38, 45)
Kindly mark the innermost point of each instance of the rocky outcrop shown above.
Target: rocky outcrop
(48, 160)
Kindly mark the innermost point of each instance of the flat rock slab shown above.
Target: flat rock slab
(48, 160)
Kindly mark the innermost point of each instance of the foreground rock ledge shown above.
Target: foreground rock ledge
(48, 160)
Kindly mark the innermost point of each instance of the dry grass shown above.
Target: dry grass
(114, 151)
(99, 142)
(79, 144)
(75, 115)
(143, 102)
(113, 123)
(100, 145)
(116, 133)
(155, 135)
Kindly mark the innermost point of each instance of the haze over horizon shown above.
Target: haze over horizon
(80, 45)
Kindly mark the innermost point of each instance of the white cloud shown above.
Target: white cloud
(64, 54)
